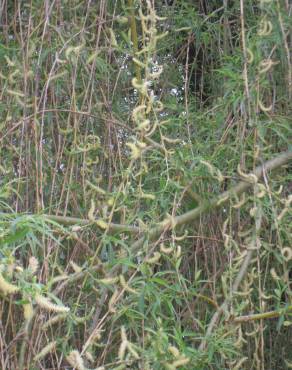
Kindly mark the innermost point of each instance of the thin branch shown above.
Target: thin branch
(112, 227)
(261, 316)
(134, 37)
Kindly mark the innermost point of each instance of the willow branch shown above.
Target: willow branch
(216, 202)
(185, 218)
(261, 316)
(112, 227)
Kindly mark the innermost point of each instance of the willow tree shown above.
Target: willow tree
(144, 184)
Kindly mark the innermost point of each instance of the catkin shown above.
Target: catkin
(6, 287)
(46, 350)
(47, 305)
(75, 360)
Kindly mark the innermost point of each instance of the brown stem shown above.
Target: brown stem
(134, 37)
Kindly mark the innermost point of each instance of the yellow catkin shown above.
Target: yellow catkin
(45, 351)
(95, 188)
(165, 250)
(138, 112)
(266, 28)
(47, 305)
(6, 287)
(122, 20)
(147, 196)
(124, 344)
(58, 75)
(263, 108)
(54, 320)
(9, 62)
(112, 301)
(265, 65)
(180, 362)
(89, 356)
(91, 57)
(133, 351)
(59, 278)
(109, 281)
(274, 274)
(102, 224)
(15, 93)
(135, 150)
(126, 286)
(250, 56)
(75, 360)
(178, 252)
(73, 50)
(28, 311)
(249, 177)
(253, 211)
(174, 351)
(222, 200)
(141, 87)
(239, 364)
(240, 203)
(287, 253)
(210, 167)
(286, 209)
(154, 259)
(75, 267)
(139, 63)
(279, 191)
(33, 264)
(122, 350)
(261, 191)
(113, 39)
(288, 364)
(91, 211)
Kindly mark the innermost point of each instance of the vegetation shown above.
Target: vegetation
(145, 217)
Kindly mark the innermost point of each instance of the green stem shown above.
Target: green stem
(263, 315)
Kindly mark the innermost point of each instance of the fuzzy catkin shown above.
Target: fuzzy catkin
(6, 287)
(47, 305)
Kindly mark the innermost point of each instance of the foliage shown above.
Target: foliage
(145, 211)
